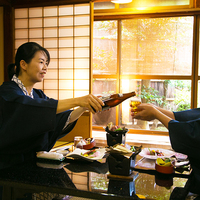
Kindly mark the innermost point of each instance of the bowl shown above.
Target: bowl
(164, 169)
(91, 145)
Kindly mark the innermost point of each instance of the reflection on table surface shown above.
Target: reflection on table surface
(89, 180)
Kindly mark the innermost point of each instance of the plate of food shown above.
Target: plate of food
(154, 153)
(89, 155)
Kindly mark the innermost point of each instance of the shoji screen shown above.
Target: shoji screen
(65, 32)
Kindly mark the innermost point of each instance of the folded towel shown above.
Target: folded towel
(50, 155)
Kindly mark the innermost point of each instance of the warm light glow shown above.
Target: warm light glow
(121, 1)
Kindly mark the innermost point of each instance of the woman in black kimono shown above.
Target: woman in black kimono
(29, 120)
(184, 133)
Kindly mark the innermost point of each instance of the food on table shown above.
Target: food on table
(91, 154)
(155, 152)
(115, 128)
(167, 162)
(84, 142)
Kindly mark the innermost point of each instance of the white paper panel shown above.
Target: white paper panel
(82, 20)
(39, 41)
(50, 43)
(66, 84)
(82, 31)
(65, 94)
(66, 10)
(20, 42)
(66, 32)
(50, 22)
(66, 74)
(35, 12)
(35, 22)
(21, 33)
(39, 85)
(35, 33)
(51, 74)
(82, 63)
(65, 63)
(81, 52)
(21, 23)
(21, 13)
(51, 84)
(50, 32)
(81, 74)
(53, 64)
(53, 53)
(66, 42)
(50, 11)
(51, 93)
(82, 41)
(66, 53)
(66, 21)
(81, 84)
(82, 9)
(81, 93)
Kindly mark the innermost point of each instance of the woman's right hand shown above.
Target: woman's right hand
(91, 103)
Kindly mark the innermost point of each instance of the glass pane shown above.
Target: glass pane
(149, 3)
(21, 23)
(80, 93)
(81, 73)
(21, 33)
(66, 21)
(174, 95)
(82, 31)
(39, 41)
(49, 22)
(35, 12)
(21, 13)
(81, 41)
(19, 43)
(81, 9)
(82, 20)
(102, 86)
(105, 47)
(53, 53)
(103, 5)
(160, 46)
(35, 33)
(66, 10)
(50, 11)
(66, 84)
(35, 22)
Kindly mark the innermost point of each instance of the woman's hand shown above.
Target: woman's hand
(145, 111)
(91, 102)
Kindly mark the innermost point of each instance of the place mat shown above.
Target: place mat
(145, 163)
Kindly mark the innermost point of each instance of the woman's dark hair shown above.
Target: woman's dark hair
(25, 52)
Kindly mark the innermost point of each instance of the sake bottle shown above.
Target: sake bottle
(115, 99)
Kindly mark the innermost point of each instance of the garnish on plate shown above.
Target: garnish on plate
(91, 154)
(155, 152)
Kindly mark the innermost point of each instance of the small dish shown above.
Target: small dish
(90, 145)
(164, 167)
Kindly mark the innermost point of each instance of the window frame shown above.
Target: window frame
(194, 77)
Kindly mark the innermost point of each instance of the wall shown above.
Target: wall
(1, 47)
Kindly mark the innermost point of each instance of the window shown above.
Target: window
(152, 56)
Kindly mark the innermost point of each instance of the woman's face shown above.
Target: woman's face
(37, 68)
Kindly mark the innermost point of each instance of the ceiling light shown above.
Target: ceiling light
(121, 1)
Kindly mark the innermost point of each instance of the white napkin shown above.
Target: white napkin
(50, 155)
